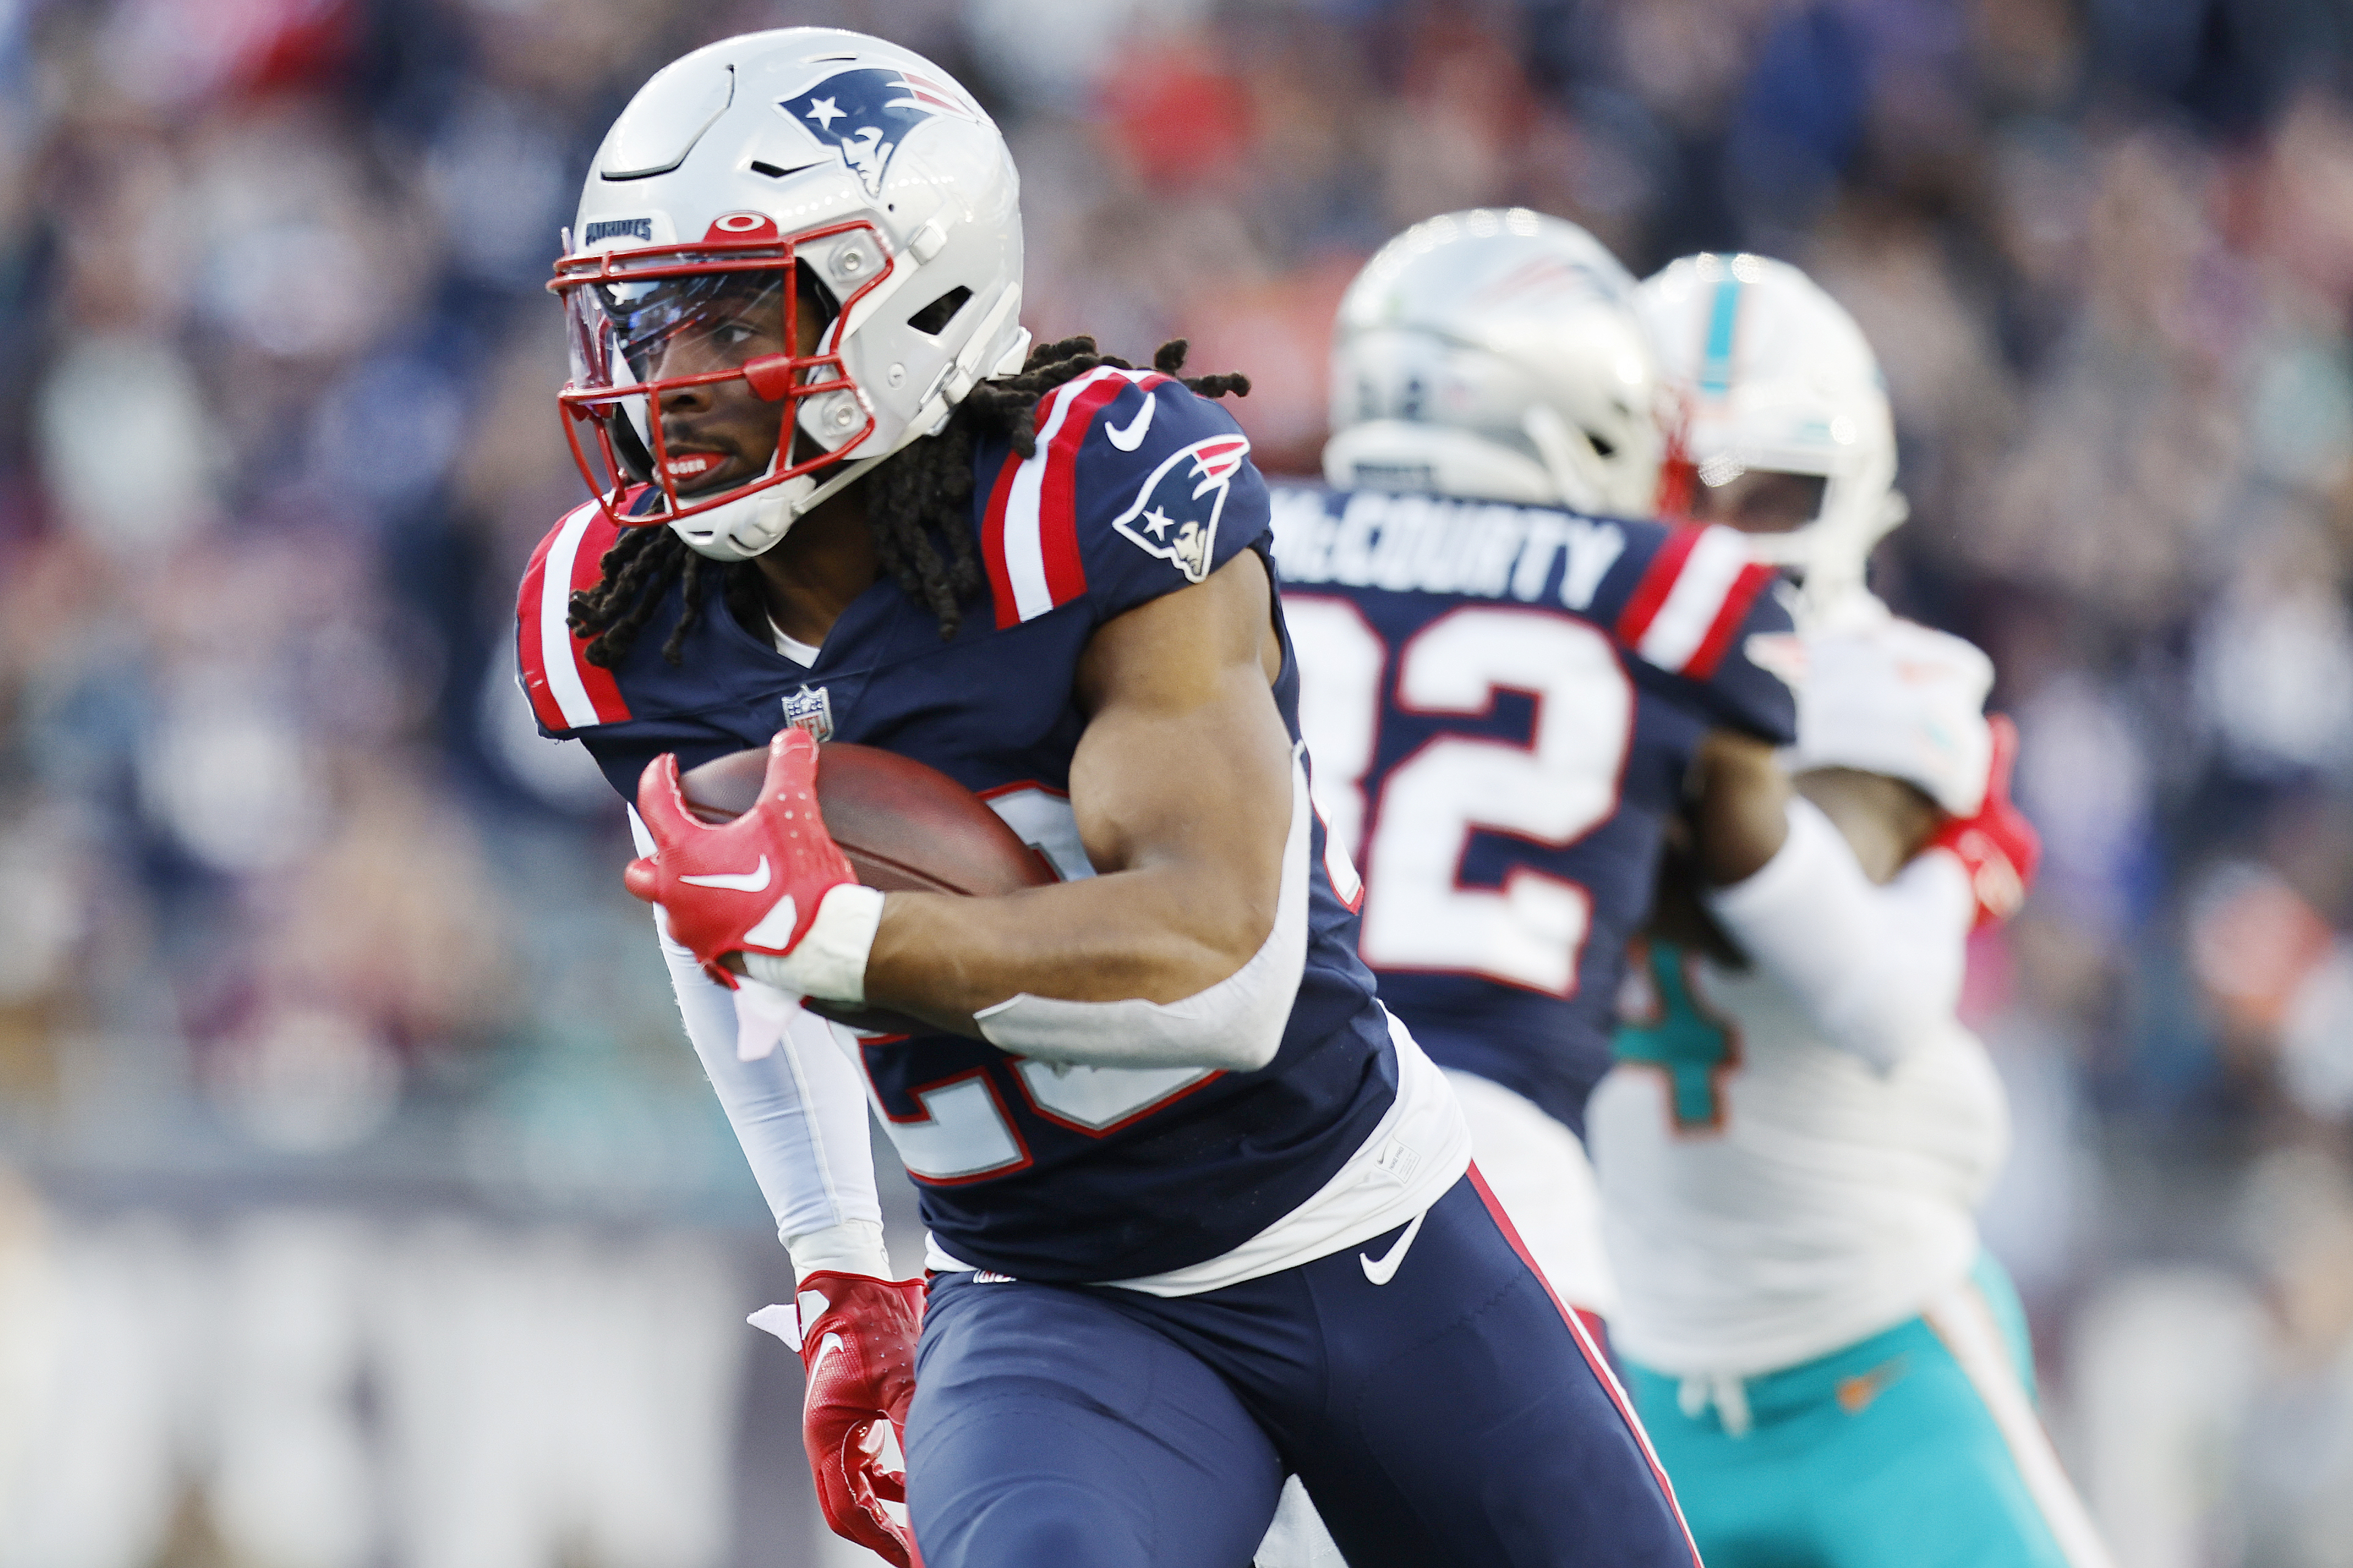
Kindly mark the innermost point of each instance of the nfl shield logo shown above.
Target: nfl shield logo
(810, 709)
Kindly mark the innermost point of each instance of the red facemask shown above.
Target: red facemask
(733, 299)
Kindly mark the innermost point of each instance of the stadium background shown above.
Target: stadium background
(361, 1205)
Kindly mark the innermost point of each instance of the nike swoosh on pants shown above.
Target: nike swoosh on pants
(1384, 1270)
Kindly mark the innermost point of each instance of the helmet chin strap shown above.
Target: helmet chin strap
(801, 506)
(754, 524)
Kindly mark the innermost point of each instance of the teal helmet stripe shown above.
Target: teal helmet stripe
(1715, 363)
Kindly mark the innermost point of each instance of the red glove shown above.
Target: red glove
(857, 1343)
(1998, 846)
(750, 884)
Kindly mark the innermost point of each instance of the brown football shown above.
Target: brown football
(904, 826)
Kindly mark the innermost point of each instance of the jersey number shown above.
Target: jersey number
(1551, 792)
(1677, 1034)
(961, 1131)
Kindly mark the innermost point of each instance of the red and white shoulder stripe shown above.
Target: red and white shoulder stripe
(1218, 459)
(1030, 536)
(566, 691)
(1684, 612)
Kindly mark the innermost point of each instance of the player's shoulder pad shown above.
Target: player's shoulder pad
(1683, 598)
(1138, 488)
(1691, 602)
(568, 693)
(1890, 696)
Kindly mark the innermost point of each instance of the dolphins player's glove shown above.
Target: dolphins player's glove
(760, 884)
(1998, 846)
(857, 1338)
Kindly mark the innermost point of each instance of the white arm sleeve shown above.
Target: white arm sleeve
(1236, 1024)
(800, 1112)
(1876, 969)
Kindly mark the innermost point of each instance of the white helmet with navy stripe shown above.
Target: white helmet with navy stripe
(840, 169)
(1495, 354)
(1772, 373)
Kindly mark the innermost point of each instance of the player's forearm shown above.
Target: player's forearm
(1738, 817)
(1191, 802)
(1185, 805)
(799, 1114)
(1158, 933)
(1884, 820)
(1875, 969)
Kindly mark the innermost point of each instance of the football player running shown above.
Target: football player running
(1200, 1211)
(1791, 1148)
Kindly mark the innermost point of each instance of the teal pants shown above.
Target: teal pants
(1917, 1447)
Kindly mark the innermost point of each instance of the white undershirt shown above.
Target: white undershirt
(800, 653)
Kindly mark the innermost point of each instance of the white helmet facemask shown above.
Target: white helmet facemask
(1495, 354)
(1772, 375)
(751, 182)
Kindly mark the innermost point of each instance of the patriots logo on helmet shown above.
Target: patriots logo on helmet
(1175, 515)
(1529, 283)
(866, 114)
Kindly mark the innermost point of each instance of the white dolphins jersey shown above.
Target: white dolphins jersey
(1767, 1197)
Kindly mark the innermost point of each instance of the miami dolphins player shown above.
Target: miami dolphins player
(1791, 1146)
(1200, 1210)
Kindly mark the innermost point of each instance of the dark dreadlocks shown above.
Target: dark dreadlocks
(917, 502)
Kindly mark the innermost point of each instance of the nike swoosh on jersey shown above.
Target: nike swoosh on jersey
(750, 882)
(824, 1347)
(1129, 436)
(1384, 1270)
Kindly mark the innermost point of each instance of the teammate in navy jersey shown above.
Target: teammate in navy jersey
(1200, 1209)
(1503, 749)
(1506, 750)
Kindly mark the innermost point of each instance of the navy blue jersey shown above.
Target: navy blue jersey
(1138, 489)
(1503, 702)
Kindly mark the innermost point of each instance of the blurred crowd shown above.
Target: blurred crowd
(317, 983)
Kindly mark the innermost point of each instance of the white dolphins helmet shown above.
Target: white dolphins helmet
(1496, 354)
(806, 164)
(1773, 373)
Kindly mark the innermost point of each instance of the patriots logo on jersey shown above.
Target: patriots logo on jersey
(866, 114)
(1175, 515)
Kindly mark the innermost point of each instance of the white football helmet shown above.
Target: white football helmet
(1496, 354)
(801, 167)
(1771, 372)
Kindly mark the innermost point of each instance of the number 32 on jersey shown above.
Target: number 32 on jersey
(1411, 827)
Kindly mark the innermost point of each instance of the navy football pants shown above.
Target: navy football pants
(1450, 1416)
